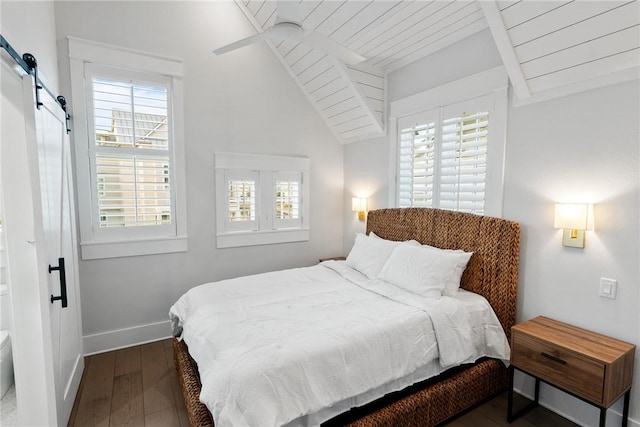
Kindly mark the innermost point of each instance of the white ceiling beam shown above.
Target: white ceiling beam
(505, 48)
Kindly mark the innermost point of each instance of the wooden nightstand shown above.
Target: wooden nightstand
(589, 366)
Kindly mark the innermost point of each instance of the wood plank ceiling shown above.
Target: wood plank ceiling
(550, 45)
(544, 45)
(390, 34)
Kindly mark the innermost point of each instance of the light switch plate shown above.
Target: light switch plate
(608, 288)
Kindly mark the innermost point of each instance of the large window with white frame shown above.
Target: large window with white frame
(450, 155)
(261, 199)
(129, 154)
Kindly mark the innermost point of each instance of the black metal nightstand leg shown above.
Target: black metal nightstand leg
(529, 406)
(603, 417)
(510, 396)
(625, 408)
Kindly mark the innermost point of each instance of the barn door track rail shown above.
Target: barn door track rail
(30, 66)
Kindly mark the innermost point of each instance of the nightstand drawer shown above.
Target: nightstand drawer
(564, 368)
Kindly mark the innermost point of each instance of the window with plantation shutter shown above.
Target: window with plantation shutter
(241, 196)
(442, 157)
(261, 199)
(131, 169)
(131, 152)
(288, 199)
(463, 161)
(449, 146)
(417, 163)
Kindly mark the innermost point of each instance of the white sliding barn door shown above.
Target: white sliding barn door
(37, 196)
(56, 190)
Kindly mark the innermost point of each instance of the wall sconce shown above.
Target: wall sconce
(574, 218)
(359, 204)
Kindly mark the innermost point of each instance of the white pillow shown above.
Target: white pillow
(423, 270)
(369, 254)
(453, 284)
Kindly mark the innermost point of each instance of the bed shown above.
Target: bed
(492, 272)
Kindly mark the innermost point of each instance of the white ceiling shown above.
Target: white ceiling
(544, 45)
(549, 45)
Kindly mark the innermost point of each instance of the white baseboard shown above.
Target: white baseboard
(121, 338)
(614, 418)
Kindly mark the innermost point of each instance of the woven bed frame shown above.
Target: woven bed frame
(492, 272)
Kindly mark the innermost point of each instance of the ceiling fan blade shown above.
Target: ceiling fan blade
(241, 43)
(288, 11)
(321, 42)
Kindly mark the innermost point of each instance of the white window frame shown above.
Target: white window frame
(86, 57)
(267, 168)
(488, 88)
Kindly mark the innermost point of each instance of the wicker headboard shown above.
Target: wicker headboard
(492, 270)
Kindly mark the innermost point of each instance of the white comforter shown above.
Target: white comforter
(274, 347)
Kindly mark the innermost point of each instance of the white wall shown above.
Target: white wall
(575, 148)
(365, 175)
(29, 27)
(240, 102)
(469, 56)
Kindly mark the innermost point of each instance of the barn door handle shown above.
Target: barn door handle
(63, 283)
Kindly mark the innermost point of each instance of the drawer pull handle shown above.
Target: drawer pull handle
(554, 358)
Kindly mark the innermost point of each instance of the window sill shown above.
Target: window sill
(255, 238)
(127, 248)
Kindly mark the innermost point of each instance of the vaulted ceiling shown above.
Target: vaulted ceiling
(544, 45)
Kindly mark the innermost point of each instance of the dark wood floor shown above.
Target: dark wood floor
(138, 386)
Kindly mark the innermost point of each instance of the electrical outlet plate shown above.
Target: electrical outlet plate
(608, 288)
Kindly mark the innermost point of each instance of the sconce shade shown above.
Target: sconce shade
(359, 204)
(573, 216)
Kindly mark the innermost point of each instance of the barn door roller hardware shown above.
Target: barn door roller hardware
(31, 62)
(63, 105)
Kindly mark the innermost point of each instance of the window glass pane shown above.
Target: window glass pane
(287, 199)
(417, 165)
(130, 115)
(133, 190)
(463, 162)
(242, 200)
